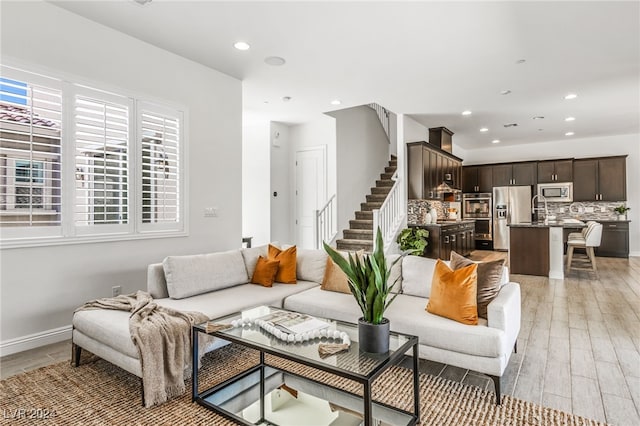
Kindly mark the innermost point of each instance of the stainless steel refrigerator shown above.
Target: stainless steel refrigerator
(511, 204)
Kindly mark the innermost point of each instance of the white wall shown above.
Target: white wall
(281, 209)
(414, 131)
(41, 286)
(578, 148)
(315, 133)
(362, 152)
(256, 189)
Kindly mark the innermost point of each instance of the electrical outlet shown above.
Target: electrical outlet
(561, 209)
(210, 212)
(588, 209)
(603, 209)
(116, 290)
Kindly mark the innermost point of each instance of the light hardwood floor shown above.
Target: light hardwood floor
(578, 348)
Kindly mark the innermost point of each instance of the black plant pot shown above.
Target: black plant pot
(373, 338)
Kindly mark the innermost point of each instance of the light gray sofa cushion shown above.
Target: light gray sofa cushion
(407, 314)
(201, 273)
(109, 327)
(237, 298)
(325, 304)
(310, 265)
(417, 273)
(251, 255)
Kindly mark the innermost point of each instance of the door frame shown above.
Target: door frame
(322, 149)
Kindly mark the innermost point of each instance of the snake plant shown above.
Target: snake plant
(368, 279)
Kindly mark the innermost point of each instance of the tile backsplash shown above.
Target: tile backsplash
(417, 209)
(586, 210)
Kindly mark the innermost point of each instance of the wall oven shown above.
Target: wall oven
(479, 206)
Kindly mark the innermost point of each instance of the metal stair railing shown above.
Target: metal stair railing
(390, 215)
(325, 227)
(383, 116)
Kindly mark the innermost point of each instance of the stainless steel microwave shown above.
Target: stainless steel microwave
(558, 192)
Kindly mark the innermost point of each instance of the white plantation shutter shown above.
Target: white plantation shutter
(102, 162)
(30, 154)
(160, 143)
(81, 164)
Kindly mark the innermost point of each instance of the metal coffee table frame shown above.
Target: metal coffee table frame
(390, 359)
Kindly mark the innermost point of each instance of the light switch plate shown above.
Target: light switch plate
(588, 209)
(210, 212)
(603, 209)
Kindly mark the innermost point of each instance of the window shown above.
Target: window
(30, 155)
(101, 133)
(115, 174)
(160, 158)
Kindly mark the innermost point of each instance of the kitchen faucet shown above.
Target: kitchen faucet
(534, 209)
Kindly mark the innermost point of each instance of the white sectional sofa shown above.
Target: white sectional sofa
(218, 284)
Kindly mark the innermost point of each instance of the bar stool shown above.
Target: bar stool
(581, 234)
(591, 239)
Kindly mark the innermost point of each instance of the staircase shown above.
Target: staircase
(360, 236)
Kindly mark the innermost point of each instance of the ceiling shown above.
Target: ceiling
(431, 60)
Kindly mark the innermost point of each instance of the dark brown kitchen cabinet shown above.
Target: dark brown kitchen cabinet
(477, 179)
(427, 168)
(555, 171)
(600, 179)
(615, 240)
(448, 237)
(515, 174)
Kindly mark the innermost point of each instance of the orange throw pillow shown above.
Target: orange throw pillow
(287, 269)
(454, 293)
(265, 272)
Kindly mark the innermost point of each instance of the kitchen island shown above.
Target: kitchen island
(446, 236)
(537, 248)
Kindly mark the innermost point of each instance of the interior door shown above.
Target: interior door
(310, 193)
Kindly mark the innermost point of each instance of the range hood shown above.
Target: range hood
(447, 186)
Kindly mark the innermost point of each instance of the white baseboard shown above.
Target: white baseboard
(635, 253)
(36, 340)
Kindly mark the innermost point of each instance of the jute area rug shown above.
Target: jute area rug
(98, 393)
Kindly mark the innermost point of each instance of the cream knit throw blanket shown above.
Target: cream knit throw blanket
(163, 338)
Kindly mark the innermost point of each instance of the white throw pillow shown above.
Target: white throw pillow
(251, 255)
(191, 275)
(417, 273)
(310, 265)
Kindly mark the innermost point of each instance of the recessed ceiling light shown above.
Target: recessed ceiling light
(484, 129)
(505, 92)
(571, 96)
(286, 98)
(266, 102)
(569, 119)
(142, 2)
(241, 45)
(569, 134)
(467, 112)
(540, 130)
(336, 102)
(521, 61)
(538, 117)
(495, 141)
(275, 61)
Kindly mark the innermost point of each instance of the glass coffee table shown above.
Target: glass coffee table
(262, 394)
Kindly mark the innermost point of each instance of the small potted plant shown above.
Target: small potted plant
(622, 210)
(413, 241)
(368, 281)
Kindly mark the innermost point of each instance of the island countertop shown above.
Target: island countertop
(441, 223)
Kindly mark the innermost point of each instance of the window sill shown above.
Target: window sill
(89, 239)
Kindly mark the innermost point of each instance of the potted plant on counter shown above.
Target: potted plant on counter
(368, 281)
(413, 241)
(622, 210)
